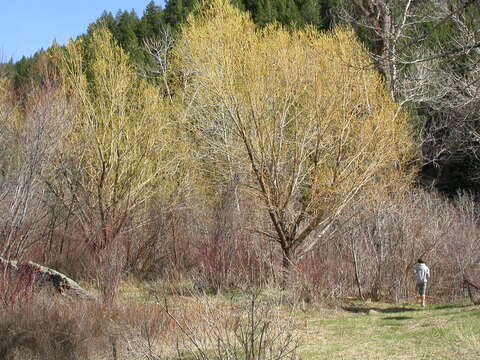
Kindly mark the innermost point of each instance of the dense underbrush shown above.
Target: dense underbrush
(251, 326)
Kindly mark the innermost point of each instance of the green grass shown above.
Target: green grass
(357, 331)
(392, 332)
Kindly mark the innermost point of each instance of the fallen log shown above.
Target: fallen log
(44, 276)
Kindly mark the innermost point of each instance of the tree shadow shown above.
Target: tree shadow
(397, 318)
(399, 309)
(452, 306)
(373, 309)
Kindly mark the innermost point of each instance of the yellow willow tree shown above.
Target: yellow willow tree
(119, 152)
(299, 116)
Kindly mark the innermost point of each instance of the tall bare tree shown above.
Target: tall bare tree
(428, 54)
(408, 32)
(29, 143)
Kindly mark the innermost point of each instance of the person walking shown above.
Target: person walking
(422, 273)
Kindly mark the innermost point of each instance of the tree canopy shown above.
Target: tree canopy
(297, 116)
(116, 154)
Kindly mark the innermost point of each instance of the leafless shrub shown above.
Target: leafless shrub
(386, 241)
(374, 256)
(45, 328)
(254, 330)
(166, 245)
(324, 275)
(29, 145)
(16, 286)
(29, 141)
(212, 244)
(52, 328)
(233, 255)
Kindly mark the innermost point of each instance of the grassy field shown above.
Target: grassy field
(368, 330)
(381, 331)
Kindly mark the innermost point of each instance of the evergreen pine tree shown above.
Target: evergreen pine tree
(152, 22)
(176, 11)
(310, 12)
(23, 74)
(127, 29)
(107, 20)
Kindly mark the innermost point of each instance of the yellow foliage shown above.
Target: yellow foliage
(7, 104)
(300, 115)
(122, 140)
(5, 95)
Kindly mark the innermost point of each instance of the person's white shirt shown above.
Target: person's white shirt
(422, 272)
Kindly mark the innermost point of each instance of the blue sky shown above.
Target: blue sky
(28, 25)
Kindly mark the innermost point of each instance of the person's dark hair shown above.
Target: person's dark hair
(420, 261)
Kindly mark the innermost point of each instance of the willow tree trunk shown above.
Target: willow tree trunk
(286, 266)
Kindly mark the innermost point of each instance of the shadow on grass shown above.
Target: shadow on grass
(393, 310)
(397, 318)
(368, 310)
(452, 306)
